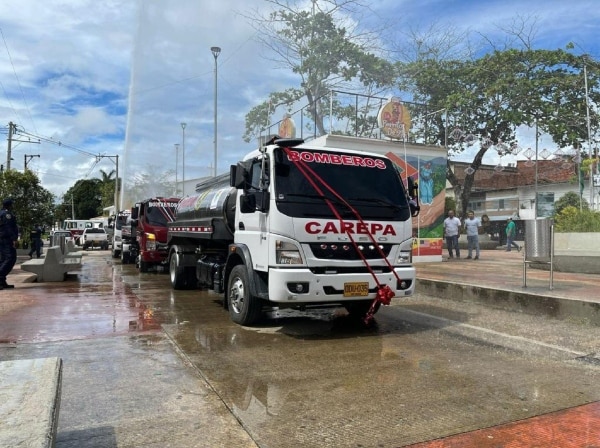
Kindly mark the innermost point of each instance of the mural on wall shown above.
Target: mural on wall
(427, 167)
(430, 174)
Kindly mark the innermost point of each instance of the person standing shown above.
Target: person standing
(36, 241)
(511, 233)
(9, 234)
(472, 226)
(451, 232)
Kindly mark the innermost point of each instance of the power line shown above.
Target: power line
(18, 81)
(41, 138)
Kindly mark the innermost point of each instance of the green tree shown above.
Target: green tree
(570, 199)
(85, 197)
(107, 188)
(490, 97)
(33, 204)
(324, 52)
(153, 181)
(571, 219)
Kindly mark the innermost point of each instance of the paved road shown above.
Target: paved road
(147, 366)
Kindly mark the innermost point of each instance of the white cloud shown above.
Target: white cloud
(84, 65)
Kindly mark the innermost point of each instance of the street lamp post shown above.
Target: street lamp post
(589, 132)
(215, 51)
(176, 165)
(183, 125)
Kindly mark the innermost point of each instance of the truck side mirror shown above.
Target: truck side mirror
(257, 200)
(247, 203)
(262, 200)
(232, 175)
(415, 208)
(238, 175)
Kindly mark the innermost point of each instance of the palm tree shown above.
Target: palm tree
(107, 187)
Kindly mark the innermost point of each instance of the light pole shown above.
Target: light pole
(215, 51)
(589, 133)
(176, 165)
(183, 125)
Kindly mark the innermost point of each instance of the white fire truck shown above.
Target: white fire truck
(297, 226)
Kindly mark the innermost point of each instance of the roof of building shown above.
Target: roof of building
(488, 178)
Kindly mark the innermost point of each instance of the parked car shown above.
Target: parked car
(94, 237)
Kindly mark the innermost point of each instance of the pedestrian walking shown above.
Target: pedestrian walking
(9, 234)
(472, 226)
(36, 241)
(511, 233)
(451, 232)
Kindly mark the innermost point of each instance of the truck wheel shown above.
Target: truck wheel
(181, 276)
(116, 253)
(244, 309)
(359, 308)
(124, 257)
(144, 266)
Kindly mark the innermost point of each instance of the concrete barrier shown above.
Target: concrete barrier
(30, 392)
(576, 252)
(54, 266)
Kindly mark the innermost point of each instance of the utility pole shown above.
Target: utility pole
(26, 158)
(11, 129)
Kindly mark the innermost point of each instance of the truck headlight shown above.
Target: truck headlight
(404, 257)
(150, 241)
(287, 253)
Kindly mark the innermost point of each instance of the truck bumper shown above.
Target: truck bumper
(153, 256)
(302, 286)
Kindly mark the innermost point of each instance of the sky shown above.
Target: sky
(116, 78)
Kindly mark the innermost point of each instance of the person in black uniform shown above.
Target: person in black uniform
(9, 235)
(36, 241)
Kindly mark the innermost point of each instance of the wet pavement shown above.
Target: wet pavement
(147, 366)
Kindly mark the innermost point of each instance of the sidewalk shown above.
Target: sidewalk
(497, 279)
(124, 384)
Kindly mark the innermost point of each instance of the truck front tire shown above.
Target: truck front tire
(244, 309)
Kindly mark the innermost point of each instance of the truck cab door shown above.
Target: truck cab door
(252, 224)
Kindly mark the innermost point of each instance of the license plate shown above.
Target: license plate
(354, 289)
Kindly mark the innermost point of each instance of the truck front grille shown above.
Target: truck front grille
(347, 251)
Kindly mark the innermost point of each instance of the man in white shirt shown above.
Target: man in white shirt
(451, 232)
(472, 226)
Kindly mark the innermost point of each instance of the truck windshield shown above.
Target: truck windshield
(160, 215)
(120, 222)
(370, 184)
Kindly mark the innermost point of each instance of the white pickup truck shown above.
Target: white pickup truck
(94, 237)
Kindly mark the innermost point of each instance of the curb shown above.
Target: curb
(518, 301)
